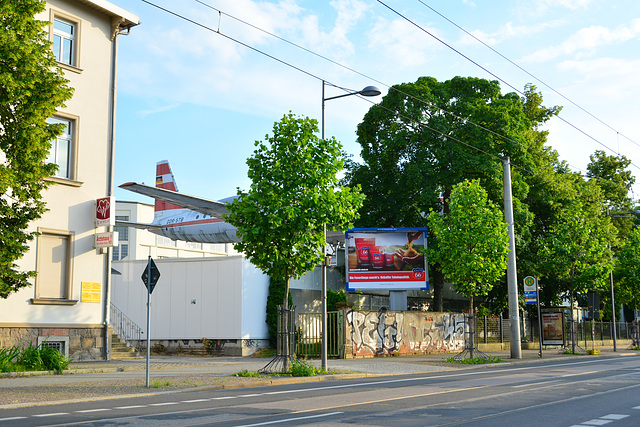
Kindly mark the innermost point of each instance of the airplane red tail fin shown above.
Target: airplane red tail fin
(165, 179)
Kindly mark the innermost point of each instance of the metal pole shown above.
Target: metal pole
(539, 316)
(613, 311)
(512, 276)
(148, 315)
(324, 300)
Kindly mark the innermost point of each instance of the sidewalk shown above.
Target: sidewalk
(118, 378)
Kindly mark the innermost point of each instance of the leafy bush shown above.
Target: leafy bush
(32, 358)
(304, 368)
(248, 374)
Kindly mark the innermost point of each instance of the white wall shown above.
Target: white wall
(230, 297)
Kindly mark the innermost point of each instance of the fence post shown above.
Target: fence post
(500, 320)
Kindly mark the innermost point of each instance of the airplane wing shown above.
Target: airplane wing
(137, 225)
(204, 206)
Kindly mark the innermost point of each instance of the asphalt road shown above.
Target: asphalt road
(574, 392)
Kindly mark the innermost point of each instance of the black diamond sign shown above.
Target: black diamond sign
(155, 275)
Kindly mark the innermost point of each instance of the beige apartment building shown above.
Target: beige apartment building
(67, 305)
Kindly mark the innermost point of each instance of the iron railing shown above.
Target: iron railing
(310, 334)
(126, 328)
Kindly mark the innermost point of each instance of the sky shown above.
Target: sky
(200, 92)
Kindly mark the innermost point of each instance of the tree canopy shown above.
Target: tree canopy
(31, 89)
(471, 242)
(294, 191)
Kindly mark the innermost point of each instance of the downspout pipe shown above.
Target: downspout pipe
(110, 173)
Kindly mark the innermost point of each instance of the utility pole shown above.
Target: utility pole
(512, 276)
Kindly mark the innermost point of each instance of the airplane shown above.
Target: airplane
(180, 216)
(192, 219)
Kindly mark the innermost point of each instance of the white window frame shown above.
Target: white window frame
(70, 139)
(73, 64)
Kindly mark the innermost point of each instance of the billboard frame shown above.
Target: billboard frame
(386, 271)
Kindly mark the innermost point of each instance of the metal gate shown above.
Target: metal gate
(310, 334)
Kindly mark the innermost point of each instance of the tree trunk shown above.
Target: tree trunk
(285, 337)
(438, 289)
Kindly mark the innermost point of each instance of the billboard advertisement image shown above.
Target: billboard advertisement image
(386, 259)
(552, 329)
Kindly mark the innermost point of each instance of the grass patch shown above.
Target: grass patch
(264, 352)
(474, 360)
(304, 368)
(248, 374)
(158, 384)
(32, 358)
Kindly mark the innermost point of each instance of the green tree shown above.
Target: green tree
(471, 241)
(294, 191)
(31, 89)
(628, 271)
(427, 136)
(576, 249)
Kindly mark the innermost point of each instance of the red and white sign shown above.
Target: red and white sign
(106, 240)
(106, 211)
(386, 259)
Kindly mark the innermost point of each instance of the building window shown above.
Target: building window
(54, 267)
(64, 41)
(122, 250)
(61, 152)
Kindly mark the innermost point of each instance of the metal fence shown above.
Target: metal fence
(496, 329)
(310, 334)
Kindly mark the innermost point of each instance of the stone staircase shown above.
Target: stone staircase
(121, 350)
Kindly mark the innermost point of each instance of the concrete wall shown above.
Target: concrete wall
(380, 333)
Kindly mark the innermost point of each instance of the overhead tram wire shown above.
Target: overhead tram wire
(365, 99)
(494, 75)
(525, 71)
(358, 73)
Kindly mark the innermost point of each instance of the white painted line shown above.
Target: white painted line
(614, 417)
(636, 407)
(194, 401)
(51, 415)
(250, 395)
(535, 384)
(597, 422)
(12, 418)
(130, 407)
(292, 419)
(223, 398)
(93, 410)
(164, 404)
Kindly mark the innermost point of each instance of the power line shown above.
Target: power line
(523, 70)
(493, 74)
(319, 78)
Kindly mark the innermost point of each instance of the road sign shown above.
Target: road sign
(530, 284)
(150, 270)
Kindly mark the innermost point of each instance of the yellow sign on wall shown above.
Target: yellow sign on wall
(91, 292)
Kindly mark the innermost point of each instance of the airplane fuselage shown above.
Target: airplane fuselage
(192, 226)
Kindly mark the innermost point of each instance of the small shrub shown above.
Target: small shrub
(158, 348)
(248, 374)
(7, 359)
(30, 359)
(304, 368)
(53, 360)
(158, 384)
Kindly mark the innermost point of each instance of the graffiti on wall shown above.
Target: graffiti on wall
(386, 332)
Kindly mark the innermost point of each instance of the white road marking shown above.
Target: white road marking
(195, 401)
(130, 407)
(12, 418)
(250, 395)
(596, 422)
(51, 415)
(163, 404)
(534, 384)
(94, 410)
(614, 417)
(292, 419)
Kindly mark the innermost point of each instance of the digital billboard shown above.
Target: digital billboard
(386, 259)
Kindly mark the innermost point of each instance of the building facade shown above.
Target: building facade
(67, 305)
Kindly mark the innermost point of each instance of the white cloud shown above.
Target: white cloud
(401, 44)
(587, 40)
(506, 32)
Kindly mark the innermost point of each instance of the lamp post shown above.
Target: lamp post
(613, 304)
(367, 91)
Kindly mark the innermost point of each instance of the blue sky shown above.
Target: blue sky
(201, 100)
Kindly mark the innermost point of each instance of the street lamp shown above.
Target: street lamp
(613, 304)
(367, 91)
